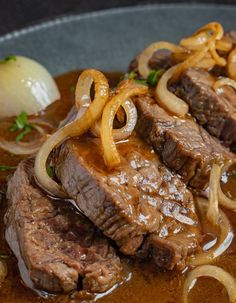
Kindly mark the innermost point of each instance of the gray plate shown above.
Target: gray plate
(108, 40)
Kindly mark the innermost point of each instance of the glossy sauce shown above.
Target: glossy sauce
(143, 284)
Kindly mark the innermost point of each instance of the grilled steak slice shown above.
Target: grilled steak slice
(183, 145)
(54, 244)
(138, 202)
(215, 112)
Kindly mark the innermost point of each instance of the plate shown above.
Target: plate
(108, 40)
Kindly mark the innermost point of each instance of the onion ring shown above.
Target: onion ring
(223, 241)
(166, 98)
(195, 42)
(24, 148)
(214, 272)
(231, 64)
(75, 128)
(223, 199)
(213, 208)
(146, 55)
(223, 81)
(224, 45)
(125, 131)
(111, 155)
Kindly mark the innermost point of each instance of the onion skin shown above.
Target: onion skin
(75, 128)
(25, 85)
(214, 272)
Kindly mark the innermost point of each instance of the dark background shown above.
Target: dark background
(15, 14)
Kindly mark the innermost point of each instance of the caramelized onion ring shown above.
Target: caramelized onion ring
(223, 199)
(111, 155)
(166, 98)
(231, 64)
(75, 128)
(195, 42)
(214, 272)
(223, 81)
(223, 240)
(24, 148)
(147, 54)
(224, 45)
(213, 208)
(125, 131)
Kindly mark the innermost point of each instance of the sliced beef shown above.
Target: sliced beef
(183, 145)
(56, 247)
(140, 205)
(215, 112)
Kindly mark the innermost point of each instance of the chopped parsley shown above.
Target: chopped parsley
(50, 171)
(7, 168)
(131, 75)
(154, 76)
(4, 256)
(21, 124)
(8, 58)
(151, 80)
(72, 88)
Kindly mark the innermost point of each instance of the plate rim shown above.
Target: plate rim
(67, 18)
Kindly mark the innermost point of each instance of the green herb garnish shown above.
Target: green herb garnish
(8, 58)
(141, 81)
(131, 75)
(154, 76)
(4, 257)
(21, 124)
(50, 171)
(6, 167)
(72, 88)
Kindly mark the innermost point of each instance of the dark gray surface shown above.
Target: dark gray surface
(16, 14)
(108, 40)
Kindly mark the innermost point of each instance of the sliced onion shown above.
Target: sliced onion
(25, 85)
(147, 54)
(125, 131)
(195, 42)
(223, 199)
(3, 271)
(223, 240)
(111, 155)
(166, 98)
(213, 208)
(25, 148)
(231, 64)
(219, 60)
(75, 128)
(224, 45)
(223, 81)
(206, 63)
(214, 272)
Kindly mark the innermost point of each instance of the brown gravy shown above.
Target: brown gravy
(143, 285)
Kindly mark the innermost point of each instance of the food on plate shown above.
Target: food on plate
(122, 187)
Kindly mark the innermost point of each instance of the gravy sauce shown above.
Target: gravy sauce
(143, 284)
